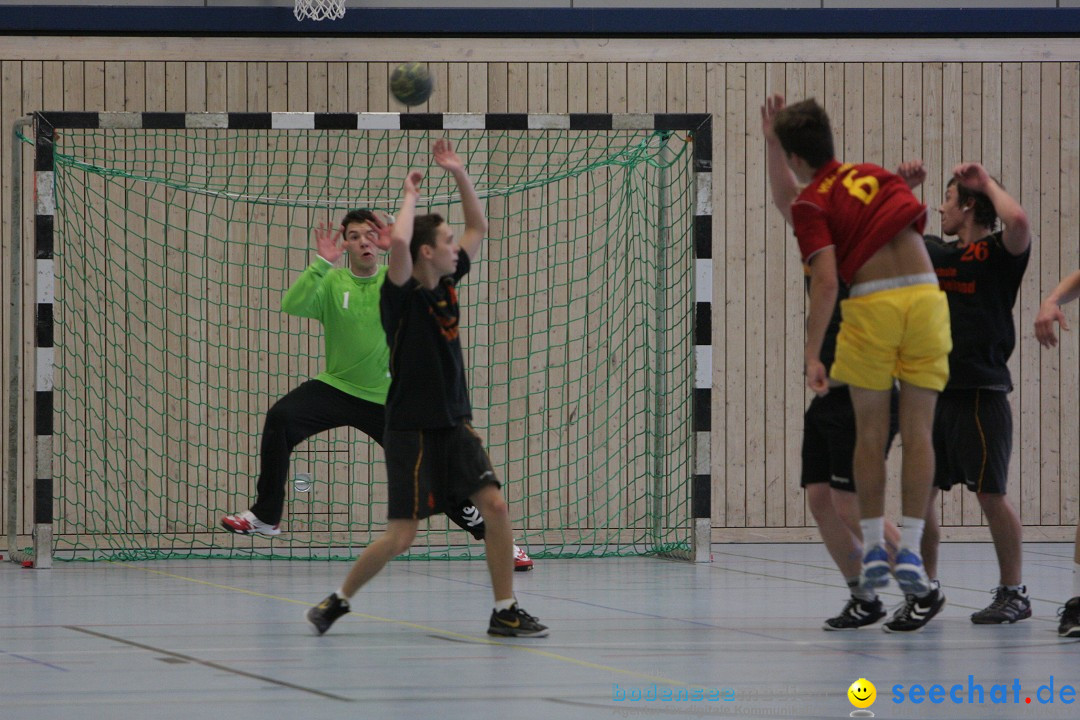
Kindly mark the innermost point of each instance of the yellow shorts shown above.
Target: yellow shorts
(900, 332)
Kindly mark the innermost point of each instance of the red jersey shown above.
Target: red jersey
(856, 208)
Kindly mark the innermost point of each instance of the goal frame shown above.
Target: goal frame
(35, 295)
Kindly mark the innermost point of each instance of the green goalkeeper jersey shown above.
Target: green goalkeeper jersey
(357, 358)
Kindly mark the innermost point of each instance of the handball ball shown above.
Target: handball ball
(411, 83)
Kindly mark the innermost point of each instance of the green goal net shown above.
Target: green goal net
(173, 249)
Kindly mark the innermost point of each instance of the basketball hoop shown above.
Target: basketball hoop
(319, 9)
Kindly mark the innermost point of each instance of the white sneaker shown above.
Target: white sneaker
(246, 523)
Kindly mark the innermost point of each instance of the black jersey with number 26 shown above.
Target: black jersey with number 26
(981, 281)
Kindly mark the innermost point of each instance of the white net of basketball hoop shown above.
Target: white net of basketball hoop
(319, 9)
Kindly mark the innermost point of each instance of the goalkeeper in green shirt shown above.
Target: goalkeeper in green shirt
(352, 389)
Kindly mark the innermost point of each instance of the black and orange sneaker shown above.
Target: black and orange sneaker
(323, 615)
(515, 622)
(1008, 607)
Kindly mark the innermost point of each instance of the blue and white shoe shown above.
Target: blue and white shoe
(910, 574)
(875, 568)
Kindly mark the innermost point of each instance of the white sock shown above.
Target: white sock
(911, 533)
(501, 605)
(1076, 580)
(873, 532)
(860, 593)
(341, 594)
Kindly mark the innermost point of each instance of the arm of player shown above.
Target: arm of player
(304, 297)
(476, 225)
(1017, 235)
(400, 267)
(1050, 310)
(782, 181)
(824, 286)
(913, 173)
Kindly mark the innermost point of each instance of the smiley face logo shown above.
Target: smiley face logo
(862, 693)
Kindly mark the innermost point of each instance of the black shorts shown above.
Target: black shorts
(433, 471)
(828, 446)
(973, 433)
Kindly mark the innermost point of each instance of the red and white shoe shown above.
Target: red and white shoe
(246, 523)
(522, 562)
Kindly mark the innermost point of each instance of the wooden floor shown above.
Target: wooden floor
(194, 639)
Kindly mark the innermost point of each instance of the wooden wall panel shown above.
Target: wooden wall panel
(734, 370)
(1066, 431)
(1016, 113)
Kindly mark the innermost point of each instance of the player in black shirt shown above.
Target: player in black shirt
(1050, 313)
(980, 273)
(434, 458)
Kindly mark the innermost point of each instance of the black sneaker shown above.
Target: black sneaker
(1070, 619)
(1008, 607)
(856, 614)
(916, 612)
(515, 622)
(323, 615)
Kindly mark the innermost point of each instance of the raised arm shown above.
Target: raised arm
(782, 181)
(1017, 235)
(476, 225)
(824, 286)
(912, 172)
(1050, 310)
(302, 298)
(400, 267)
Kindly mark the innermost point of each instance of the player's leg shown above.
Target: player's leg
(839, 540)
(863, 607)
(948, 471)
(1011, 602)
(846, 506)
(471, 475)
(931, 537)
(498, 540)
(872, 436)
(916, 476)
(989, 418)
(922, 367)
(1070, 612)
(820, 425)
(923, 598)
(842, 484)
(468, 517)
(827, 446)
(1076, 552)
(414, 459)
(507, 617)
(311, 408)
(916, 431)
(397, 539)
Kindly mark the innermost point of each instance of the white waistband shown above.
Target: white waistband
(873, 286)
